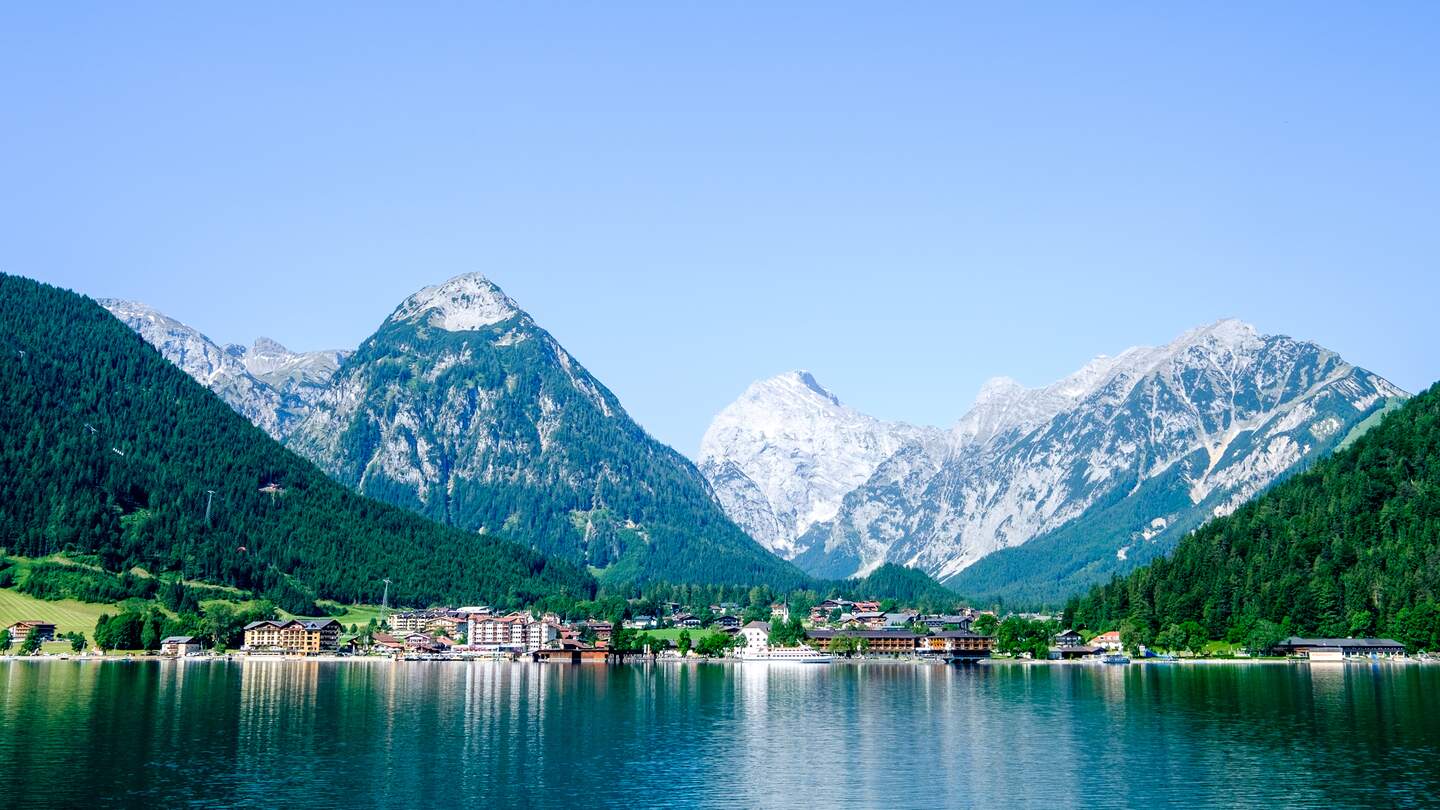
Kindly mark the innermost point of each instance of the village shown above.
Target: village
(837, 626)
(833, 628)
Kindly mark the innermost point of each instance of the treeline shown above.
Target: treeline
(107, 448)
(892, 585)
(1350, 547)
(219, 625)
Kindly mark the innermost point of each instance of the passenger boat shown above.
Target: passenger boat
(1116, 658)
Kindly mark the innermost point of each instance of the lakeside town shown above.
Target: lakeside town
(832, 629)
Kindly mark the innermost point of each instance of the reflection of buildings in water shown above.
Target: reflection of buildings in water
(1327, 683)
(276, 708)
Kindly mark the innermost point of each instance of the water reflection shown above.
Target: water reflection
(265, 733)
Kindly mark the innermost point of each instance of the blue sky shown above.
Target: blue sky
(904, 200)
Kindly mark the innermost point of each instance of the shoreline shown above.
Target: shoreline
(372, 659)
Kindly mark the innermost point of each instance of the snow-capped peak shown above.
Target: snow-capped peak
(790, 449)
(464, 303)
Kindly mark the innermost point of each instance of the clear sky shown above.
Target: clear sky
(905, 199)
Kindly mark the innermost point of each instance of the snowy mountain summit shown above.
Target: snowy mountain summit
(465, 303)
(783, 455)
(1067, 482)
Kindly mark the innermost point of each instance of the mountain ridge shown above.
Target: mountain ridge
(1191, 428)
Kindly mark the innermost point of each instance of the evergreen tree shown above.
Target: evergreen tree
(1349, 547)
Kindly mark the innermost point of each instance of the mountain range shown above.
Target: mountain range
(462, 409)
(1037, 492)
(267, 383)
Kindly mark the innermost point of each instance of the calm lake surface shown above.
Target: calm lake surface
(372, 733)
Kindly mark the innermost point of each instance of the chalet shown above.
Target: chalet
(870, 620)
(781, 611)
(293, 637)
(642, 623)
(688, 621)
(45, 631)
(182, 645)
(727, 622)
(603, 630)
(451, 626)
(822, 611)
(1338, 649)
(866, 606)
(1069, 638)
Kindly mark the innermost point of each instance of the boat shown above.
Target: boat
(1115, 658)
(796, 655)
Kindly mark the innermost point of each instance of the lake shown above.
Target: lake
(266, 733)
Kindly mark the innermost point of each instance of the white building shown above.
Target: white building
(518, 631)
(756, 635)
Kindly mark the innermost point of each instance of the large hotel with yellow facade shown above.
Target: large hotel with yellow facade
(293, 637)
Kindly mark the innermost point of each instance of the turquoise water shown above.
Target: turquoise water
(373, 733)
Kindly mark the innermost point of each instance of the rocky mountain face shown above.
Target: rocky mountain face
(1035, 492)
(267, 383)
(782, 457)
(460, 407)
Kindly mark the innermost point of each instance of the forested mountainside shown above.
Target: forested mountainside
(461, 408)
(1350, 547)
(108, 448)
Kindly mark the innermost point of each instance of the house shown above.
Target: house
(294, 637)
(642, 623)
(867, 620)
(781, 611)
(182, 645)
(1069, 638)
(756, 635)
(1338, 649)
(1110, 641)
(688, 621)
(727, 622)
(866, 607)
(822, 611)
(19, 630)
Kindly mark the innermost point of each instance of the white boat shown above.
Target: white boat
(795, 655)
